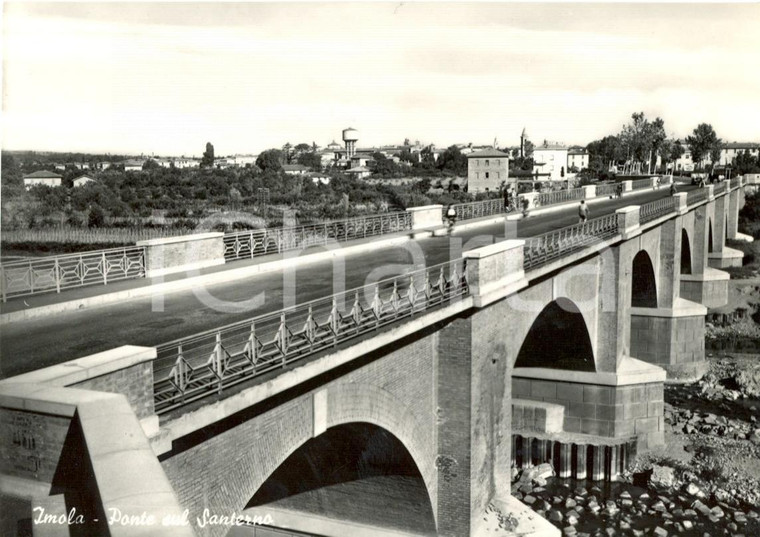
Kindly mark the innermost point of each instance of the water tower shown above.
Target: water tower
(350, 136)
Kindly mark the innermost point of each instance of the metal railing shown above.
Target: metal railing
(719, 188)
(61, 272)
(734, 183)
(190, 368)
(248, 244)
(656, 209)
(559, 196)
(550, 246)
(608, 190)
(696, 196)
(638, 184)
(479, 209)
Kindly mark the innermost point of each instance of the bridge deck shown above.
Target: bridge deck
(29, 345)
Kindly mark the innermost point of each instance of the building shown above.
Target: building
(731, 150)
(360, 172)
(487, 170)
(550, 161)
(133, 165)
(42, 178)
(294, 169)
(83, 180)
(577, 158)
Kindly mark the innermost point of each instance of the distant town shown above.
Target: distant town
(106, 199)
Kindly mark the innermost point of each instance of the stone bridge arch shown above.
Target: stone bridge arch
(558, 338)
(271, 438)
(643, 281)
(686, 258)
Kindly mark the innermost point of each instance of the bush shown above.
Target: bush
(96, 217)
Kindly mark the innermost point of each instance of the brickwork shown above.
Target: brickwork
(612, 411)
(135, 382)
(31, 444)
(395, 392)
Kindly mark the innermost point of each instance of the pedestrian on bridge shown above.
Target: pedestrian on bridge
(582, 212)
(673, 188)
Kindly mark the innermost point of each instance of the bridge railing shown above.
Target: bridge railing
(638, 184)
(696, 196)
(560, 196)
(548, 247)
(478, 209)
(655, 209)
(734, 183)
(190, 368)
(719, 188)
(607, 190)
(60, 272)
(248, 244)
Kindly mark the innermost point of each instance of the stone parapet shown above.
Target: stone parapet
(426, 216)
(184, 253)
(589, 191)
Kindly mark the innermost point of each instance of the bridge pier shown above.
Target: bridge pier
(725, 227)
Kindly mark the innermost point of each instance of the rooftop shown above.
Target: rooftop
(488, 153)
(43, 174)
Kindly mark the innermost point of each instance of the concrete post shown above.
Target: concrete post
(627, 186)
(710, 192)
(628, 221)
(426, 216)
(495, 271)
(589, 192)
(681, 204)
(184, 253)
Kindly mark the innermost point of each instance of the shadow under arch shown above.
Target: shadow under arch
(709, 236)
(643, 283)
(358, 472)
(685, 253)
(558, 339)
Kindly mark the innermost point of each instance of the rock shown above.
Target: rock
(528, 475)
(687, 524)
(662, 476)
(555, 516)
(570, 503)
(717, 511)
(693, 490)
(660, 532)
(625, 494)
(530, 500)
(526, 488)
(544, 470)
(539, 481)
(570, 530)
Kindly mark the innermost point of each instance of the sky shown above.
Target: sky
(165, 78)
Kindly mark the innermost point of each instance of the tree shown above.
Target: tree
(637, 139)
(528, 148)
(604, 152)
(453, 160)
(270, 160)
(310, 160)
(208, 156)
(745, 163)
(287, 152)
(703, 142)
(96, 217)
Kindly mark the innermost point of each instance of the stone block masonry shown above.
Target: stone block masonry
(607, 411)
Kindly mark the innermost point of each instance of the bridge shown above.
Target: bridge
(443, 358)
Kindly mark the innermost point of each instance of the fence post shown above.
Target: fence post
(57, 276)
(105, 267)
(334, 320)
(218, 358)
(283, 339)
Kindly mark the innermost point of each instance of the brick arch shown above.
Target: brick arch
(553, 311)
(270, 442)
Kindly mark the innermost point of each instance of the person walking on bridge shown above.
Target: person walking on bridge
(582, 212)
(673, 188)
